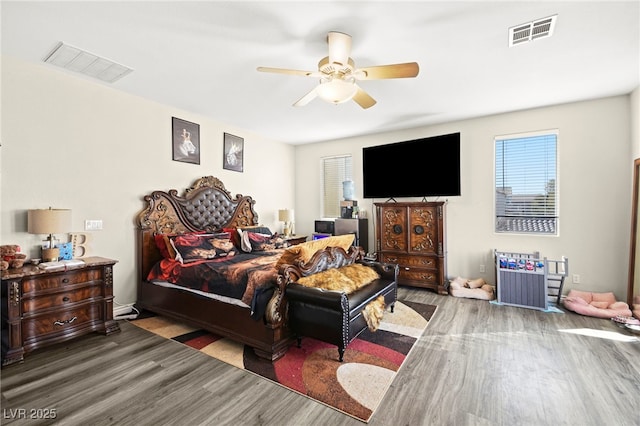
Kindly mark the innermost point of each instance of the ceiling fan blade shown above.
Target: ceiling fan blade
(406, 70)
(306, 98)
(339, 47)
(363, 99)
(288, 71)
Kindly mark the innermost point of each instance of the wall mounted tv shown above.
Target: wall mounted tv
(426, 167)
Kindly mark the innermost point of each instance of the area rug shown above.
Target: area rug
(355, 386)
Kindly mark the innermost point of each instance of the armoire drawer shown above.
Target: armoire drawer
(411, 261)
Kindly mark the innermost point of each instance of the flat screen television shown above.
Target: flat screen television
(426, 167)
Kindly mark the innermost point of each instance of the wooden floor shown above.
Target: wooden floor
(476, 364)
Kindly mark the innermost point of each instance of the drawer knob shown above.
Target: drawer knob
(65, 280)
(69, 321)
(65, 299)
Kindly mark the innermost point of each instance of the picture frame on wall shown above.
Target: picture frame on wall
(233, 154)
(185, 141)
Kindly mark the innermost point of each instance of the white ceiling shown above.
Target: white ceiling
(202, 56)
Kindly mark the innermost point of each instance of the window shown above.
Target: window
(335, 170)
(526, 183)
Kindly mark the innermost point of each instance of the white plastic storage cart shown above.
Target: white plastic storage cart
(527, 280)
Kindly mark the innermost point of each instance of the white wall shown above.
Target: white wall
(594, 186)
(68, 142)
(71, 143)
(635, 123)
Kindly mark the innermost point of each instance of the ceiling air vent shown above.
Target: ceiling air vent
(86, 63)
(532, 31)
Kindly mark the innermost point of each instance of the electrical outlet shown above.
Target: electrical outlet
(93, 225)
(576, 279)
(481, 268)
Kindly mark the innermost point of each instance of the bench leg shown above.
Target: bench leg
(393, 305)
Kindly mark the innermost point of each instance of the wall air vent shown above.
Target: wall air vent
(83, 62)
(530, 31)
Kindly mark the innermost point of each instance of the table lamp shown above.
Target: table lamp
(49, 221)
(286, 216)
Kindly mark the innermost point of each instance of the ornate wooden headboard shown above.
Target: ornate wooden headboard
(205, 206)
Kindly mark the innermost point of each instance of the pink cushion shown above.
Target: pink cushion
(587, 296)
(599, 305)
(607, 298)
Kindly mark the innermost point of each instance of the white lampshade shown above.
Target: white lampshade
(49, 221)
(285, 215)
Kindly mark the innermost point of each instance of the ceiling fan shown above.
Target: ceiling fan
(338, 74)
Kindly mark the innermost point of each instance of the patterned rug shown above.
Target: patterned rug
(355, 387)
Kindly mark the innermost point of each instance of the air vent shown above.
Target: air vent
(83, 62)
(530, 31)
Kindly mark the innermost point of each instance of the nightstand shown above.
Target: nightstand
(44, 307)
(296, 239)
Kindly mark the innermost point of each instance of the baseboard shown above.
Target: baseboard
(123, 310)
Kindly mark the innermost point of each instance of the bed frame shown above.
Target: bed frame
(206, 206)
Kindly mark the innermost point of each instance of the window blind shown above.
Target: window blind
(335, 170)
(526, 184)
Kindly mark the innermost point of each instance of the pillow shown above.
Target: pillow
(223, 244)
(163, 242)
(476, 283)
(306, 250)
(194, 247)
(361, 275)
(253, 241)
(236, 233)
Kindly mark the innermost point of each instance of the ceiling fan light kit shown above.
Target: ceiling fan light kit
(336, 91)
(338, 74)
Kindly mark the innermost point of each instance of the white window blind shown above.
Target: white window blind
(526, 184)
(335, 170)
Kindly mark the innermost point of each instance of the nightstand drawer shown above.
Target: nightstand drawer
(60, 300)
(50, 282)
(62, 321)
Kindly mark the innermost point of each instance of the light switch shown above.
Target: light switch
(93, 225)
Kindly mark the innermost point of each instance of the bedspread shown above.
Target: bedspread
(242, 277)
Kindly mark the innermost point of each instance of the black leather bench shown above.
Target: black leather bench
(335, 317)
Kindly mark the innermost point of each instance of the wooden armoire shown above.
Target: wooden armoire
(413, 236)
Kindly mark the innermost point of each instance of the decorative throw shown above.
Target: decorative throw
(373, 313)
(348, 279)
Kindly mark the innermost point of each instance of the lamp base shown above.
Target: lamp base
(50, 254)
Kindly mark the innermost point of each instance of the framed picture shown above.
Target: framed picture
(185, 141)
(233, 152)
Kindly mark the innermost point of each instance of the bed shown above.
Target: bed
(254, 315)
